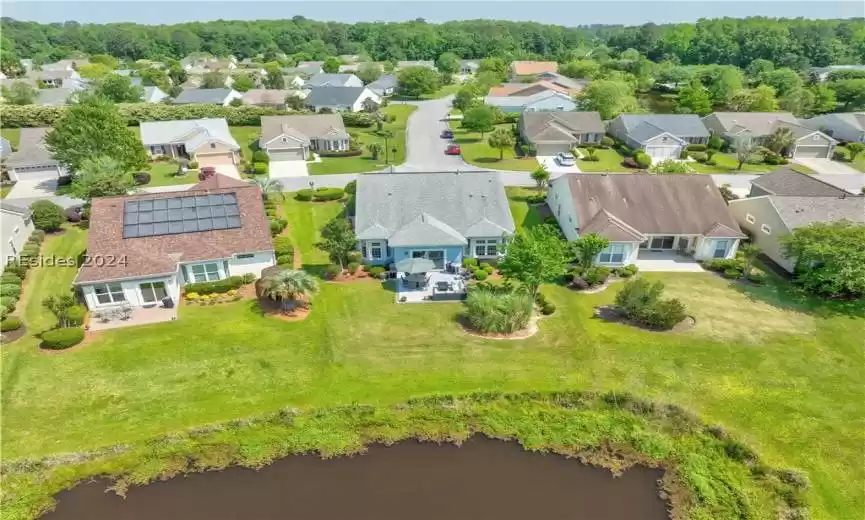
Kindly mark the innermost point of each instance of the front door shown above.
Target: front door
(152, 292)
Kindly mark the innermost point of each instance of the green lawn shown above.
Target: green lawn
(164, 174)
(727, 163)
(475, 150)
(247, 138)
(4, 190)
(364, 137)
(13, 135)
(859, 163)
(444, 91)
(525, 216)
(611, 161)
(781, 373)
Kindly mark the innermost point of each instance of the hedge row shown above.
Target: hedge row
(218, 286)
(343, 153)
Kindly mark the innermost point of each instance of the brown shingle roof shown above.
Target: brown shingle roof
(652, 204)
(117, 258)
(530, 68)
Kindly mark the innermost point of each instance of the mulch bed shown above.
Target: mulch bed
(12, 335)
(612, 314)
(273, 309)
(598, 288)
(360, 274)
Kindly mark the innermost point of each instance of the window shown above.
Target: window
(151, 292)
(109, 293)
(750, 218)
(663, 242)
(766, 229)
(721, 247)
(245, 255)
(375, 250)
(205, 272)
(213, 145)
(486, 247)
(16, 230)
(614, 254)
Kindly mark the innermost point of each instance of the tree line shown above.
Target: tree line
(791, 43)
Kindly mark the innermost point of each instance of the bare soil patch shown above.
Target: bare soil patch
(273, 309)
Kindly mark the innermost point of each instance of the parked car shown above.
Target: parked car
(447, 134)
(453, 149)
(566, 159)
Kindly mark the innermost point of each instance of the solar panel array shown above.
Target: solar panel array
(176, 215)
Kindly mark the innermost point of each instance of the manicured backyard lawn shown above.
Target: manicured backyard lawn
(525, 216)
(781, 373)
(727, 163)
(164, 174)
(364, 137)
(475, 150)
(611, 161)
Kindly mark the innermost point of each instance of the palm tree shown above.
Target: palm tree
(375, 149)
(269, 187)
(288, 287)
(749, 254)
(780, 140)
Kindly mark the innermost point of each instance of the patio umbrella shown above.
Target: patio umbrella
(415, 265)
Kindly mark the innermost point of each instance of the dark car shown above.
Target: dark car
(453, 149)
(447, 134)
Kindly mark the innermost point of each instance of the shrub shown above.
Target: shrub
(358, 119)
(700, 157)
(10, 290)
(193, 165)
(631, 268)
(75, 315)
(840, 156)
(354, 257)
(10, 323)
(260, 168)
(724, 264)
(591, 158)
(795, 478)
(340, 153)
(46, 215)
(37, 236)
(325, 194)
(247, 278)
(716, 142)
(643, 161)
(352, 267)
(548, 308)
(756, 276)
(629, 162)
(276, 226)
(19, 268)
(596, 275)
(8, 303)
(696, 147)
(470, 263)
(671, 166)
(484, 266)
(664, 314)
(332, 271)
(607, 141)
(351, 187)
(376, 271)
(683, 154)
(304, 195)
(260, 156)
(282, 245)
(270, 212)
(480, 274)
(215, 287)
(285, 259)
(495, 311)
(64, 337)
(641, 301)
(711, 162)
(10, 279)
(141, 178)
(732, 274)
(73, 215)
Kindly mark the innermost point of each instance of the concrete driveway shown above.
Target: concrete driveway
(828, 166)
(552, 166)
(31, 189)
(229, 170)
(285, 169)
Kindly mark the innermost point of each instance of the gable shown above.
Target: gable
(665, 138)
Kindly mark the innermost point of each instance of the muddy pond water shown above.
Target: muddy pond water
(483, 479)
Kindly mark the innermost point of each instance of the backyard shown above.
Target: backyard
(780, 372)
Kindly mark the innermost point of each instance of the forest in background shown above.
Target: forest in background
(793, 43)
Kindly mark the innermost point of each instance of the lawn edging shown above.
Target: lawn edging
(708, 474)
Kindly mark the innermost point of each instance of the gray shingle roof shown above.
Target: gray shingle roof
(384, 81)
(333, 96)
(801, 211)
(789, 182)
(31, 150)
(431, 208)
(647, 126)
(303, 127)
(203, 95)
(560, 126)
(513, 101)
(333, 80)
(190, 131)
(756, 123)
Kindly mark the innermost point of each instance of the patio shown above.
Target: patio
(440, 286)
(115, 318)
(667, 262)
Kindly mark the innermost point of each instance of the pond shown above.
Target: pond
(482, 479)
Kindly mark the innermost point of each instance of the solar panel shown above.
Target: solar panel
(183, 214)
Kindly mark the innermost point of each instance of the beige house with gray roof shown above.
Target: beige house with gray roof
(757, 126)
(554, 132)
(294, 138)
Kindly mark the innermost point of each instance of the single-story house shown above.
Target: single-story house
(306, 68)
(16, 229)
(335, 80)
(546, 100)
(53, 97)
(209, 96)
(572, 85)
(787, 182)
(469, 67)
(292, 138)
(443, 217)
(214, 230)
(757, 126)
(528, 89)
(642, 212)
(207, 141)
(769, 217)
(32, 160)
(847, 126)
(293, 81)
(661, 136)
(266, 98)
(53, 78)
(208, 63)
(532, 68)
(822, 73)
(153, 95)
(77, 83)
(342, 99)
(385, 85)
(554, 132)
(429, 64)
(70, 64)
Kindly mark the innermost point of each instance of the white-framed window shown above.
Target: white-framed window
(613, 254)
(375, 250)
(151, 292)
(750, 218)
(109, 293)
(208, 272)
(721, 248)
(766, 229)
(486, 247)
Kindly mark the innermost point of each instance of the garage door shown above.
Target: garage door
(812, 152)
(663, 152)
(288, 154)
(552, 148)
(215, 159)
(37, 173)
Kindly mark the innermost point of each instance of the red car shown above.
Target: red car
(453, 149)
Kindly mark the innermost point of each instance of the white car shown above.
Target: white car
(566, 159)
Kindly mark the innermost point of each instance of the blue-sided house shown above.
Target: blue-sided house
(444, 217)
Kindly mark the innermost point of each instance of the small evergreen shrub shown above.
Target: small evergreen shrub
(247, 278)
(352, 267)
(75, 315)
(10, 289)
(696, 147)
(37, 236)
(643, 161)
(260, 156)
(607, 141)
(10, 278)
(732, 274)
(470, 263)
(332, 271)
(756, 276)
(355, 257)
(351, 187)
(642, 302)
(326, 194)
(282, 245)
(286, 259)
(141, 178)
(46, 215)
(62, 338)
(377, 271)
(480, 275)
(304, 195)
(215, 287)
(260, 168)
(9, 324)
(548, 308)
(8, 303)
(596, 274)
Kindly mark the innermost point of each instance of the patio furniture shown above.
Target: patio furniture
(415, 265)
(168, 302)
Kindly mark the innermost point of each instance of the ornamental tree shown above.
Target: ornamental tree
(480, 118)
(535, 256)
(101, 176)
(414, 82)
(339, 240)
(588, 247)
(829, 256)
(501, 139)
